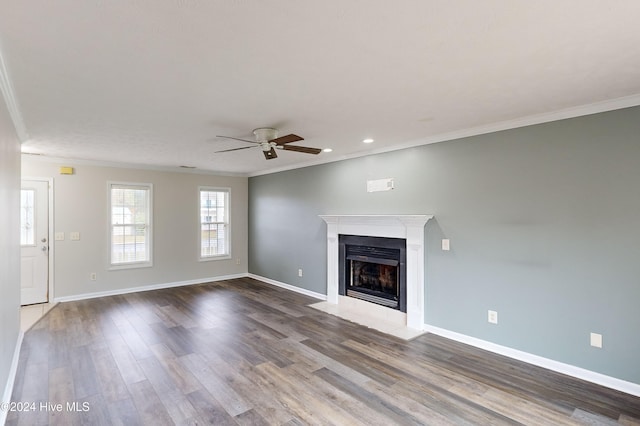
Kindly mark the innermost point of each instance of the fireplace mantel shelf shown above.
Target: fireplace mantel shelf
(376, 218)
(407, 226)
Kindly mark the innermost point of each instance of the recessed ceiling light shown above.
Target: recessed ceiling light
(327, 150)
(368, 140)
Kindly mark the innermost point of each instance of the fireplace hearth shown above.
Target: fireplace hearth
(373, 269)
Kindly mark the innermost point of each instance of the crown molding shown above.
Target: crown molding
(562, 114)
(10, 100)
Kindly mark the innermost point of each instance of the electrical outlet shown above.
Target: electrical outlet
(74, 236)
(596, 340)
(94, 276)
(299, 272)
(492, 317)
(237, 261)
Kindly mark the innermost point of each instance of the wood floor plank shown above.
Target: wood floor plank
(58, 350)
(85, 377)
(427, 413)
(112, 386)
(356, 363)
(240, 376)
(177, 316)
(35, 391)
(344, 400)
(454, 407)
(330, 363)
(318, 406)
(123, 412)
(125, 361)
(244, 352)
(520, 409)
(251, 418)
(209, 409)
(391, 412)
(294, 401)
(61, 391)
(278, 323)
(264, 346)
(148, 405)
(137, 346)
(174, 401)
(140, 307)
(92, 410)
(228, 398)
(183, 379)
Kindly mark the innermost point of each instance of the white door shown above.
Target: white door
(34, 240)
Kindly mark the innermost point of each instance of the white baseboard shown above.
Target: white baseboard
(146, 288)
(293, 288)
(549, 364)
(8, 389)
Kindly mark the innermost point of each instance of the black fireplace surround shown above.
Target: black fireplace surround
(373, 269)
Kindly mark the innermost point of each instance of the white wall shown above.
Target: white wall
(9, 246)
(81, 205)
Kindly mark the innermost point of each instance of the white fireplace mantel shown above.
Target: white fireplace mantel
(409, 227)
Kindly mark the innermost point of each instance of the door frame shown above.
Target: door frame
(50, 237)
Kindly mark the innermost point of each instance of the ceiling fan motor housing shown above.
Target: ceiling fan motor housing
(265, 134)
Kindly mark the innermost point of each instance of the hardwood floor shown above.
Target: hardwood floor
(243, 352)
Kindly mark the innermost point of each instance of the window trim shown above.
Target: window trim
(227, 223)
(137, 264)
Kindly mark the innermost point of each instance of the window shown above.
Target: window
(130, 224)
(214, 223)
(27, 207)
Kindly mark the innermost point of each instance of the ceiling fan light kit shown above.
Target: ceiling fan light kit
(267, 139)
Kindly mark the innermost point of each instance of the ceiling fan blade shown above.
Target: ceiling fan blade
(234, 149)
(304, 149)
(287, 139)
(270, 155)
(235, 139)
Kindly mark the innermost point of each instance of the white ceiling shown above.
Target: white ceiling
(152, 82)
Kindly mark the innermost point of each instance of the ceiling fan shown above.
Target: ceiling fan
(267, 139)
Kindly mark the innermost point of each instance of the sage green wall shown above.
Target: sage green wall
(9, 245)
(544, 223)
(81, 206)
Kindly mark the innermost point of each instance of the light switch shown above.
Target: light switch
(59, 236)
(74, 236)
(445, 244)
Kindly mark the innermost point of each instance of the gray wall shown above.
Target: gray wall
(81, 205)
(544, 223)
(9, 243)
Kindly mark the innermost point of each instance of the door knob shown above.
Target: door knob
(44, 248)
(44, 240)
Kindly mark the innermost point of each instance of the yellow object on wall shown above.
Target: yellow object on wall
(66, 170)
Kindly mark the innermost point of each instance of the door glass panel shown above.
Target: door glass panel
(27, 224)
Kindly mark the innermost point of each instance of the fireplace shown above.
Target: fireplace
(410, 228)
(373, 269)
